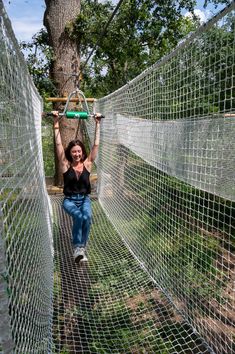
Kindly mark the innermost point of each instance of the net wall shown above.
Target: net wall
(166, 176)
(25, 241)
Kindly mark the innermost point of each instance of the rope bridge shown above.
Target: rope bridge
(160, 276)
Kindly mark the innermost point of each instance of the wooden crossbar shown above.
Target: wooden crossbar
(64, 99)
(229, 115)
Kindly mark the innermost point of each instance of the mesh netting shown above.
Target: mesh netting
(166, 176)
(110, 304)
(25, 249)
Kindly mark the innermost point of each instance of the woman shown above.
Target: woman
(76, 168)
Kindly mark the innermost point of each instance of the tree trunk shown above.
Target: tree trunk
(66, 62)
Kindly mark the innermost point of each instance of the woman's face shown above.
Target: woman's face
(76, 153)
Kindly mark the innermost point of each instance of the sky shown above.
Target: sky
(26, 16)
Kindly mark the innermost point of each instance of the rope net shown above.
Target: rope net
(26, 262)
(166, 177)
(160, 276)
(111, 305)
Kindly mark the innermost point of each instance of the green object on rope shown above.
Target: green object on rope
(76, 115)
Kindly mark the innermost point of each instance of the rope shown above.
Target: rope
(104, 31)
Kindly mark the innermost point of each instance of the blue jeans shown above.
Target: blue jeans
(79, 207)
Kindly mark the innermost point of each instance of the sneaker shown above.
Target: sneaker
(79, 254)
(84, 259)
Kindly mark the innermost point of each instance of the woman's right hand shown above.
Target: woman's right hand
(55, 117)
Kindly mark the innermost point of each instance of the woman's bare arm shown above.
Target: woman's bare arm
(63, 162)
(94, 150)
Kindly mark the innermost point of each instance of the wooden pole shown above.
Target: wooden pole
(229, 115)
(64, 99)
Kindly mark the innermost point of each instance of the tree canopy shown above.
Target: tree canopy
(141, 33)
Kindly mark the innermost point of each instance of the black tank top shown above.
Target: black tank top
(76, 185)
